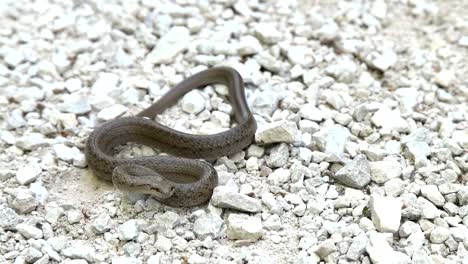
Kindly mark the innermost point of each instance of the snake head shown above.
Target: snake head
(140, 179)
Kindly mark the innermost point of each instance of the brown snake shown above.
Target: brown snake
(175, 181)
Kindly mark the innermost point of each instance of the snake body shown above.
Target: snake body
(180, 180)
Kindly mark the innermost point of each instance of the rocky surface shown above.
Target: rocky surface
(360, 154)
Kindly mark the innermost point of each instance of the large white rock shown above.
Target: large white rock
(208, 225)
(332, 141)
(382, 171)
(172, 43)
(432, 193)
(29, 231)
(310, 112)
(233, 200)
(386, 59)
(267, 33)
(193, 102)
(380, 252)
(280, 131)
(244, 227)
(386, 213)
(128, 230)
(111, 112)
(28, 173)
(389, 119)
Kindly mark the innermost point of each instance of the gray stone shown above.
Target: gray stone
(462, 196)
(8, 217)
(31, 254)
(278, 156)
(101, 223)
(24, 201)
(325, 248)
(355, 174)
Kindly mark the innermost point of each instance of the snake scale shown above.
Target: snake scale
(180, 180)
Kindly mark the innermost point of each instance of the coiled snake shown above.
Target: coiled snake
(181, 179)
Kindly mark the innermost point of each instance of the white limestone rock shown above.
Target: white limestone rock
(169, 46)
(193, 102)
(380, 252)
(267, 33)
(389, 119)
(385, 60)
(208, 225)
(128, 230)
(29, 231)
(386, 213)
(111, 112)
(310, 112)
(279, 131)
(382, 171)
(332, 141)
(432, 193)
(236, 201)
(244, 227)
(8, 217)
(28, 174)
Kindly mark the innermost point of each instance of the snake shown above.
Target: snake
(180, 176)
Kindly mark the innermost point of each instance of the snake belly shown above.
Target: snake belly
(182, 179)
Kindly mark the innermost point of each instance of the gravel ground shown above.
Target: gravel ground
(360, 156)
